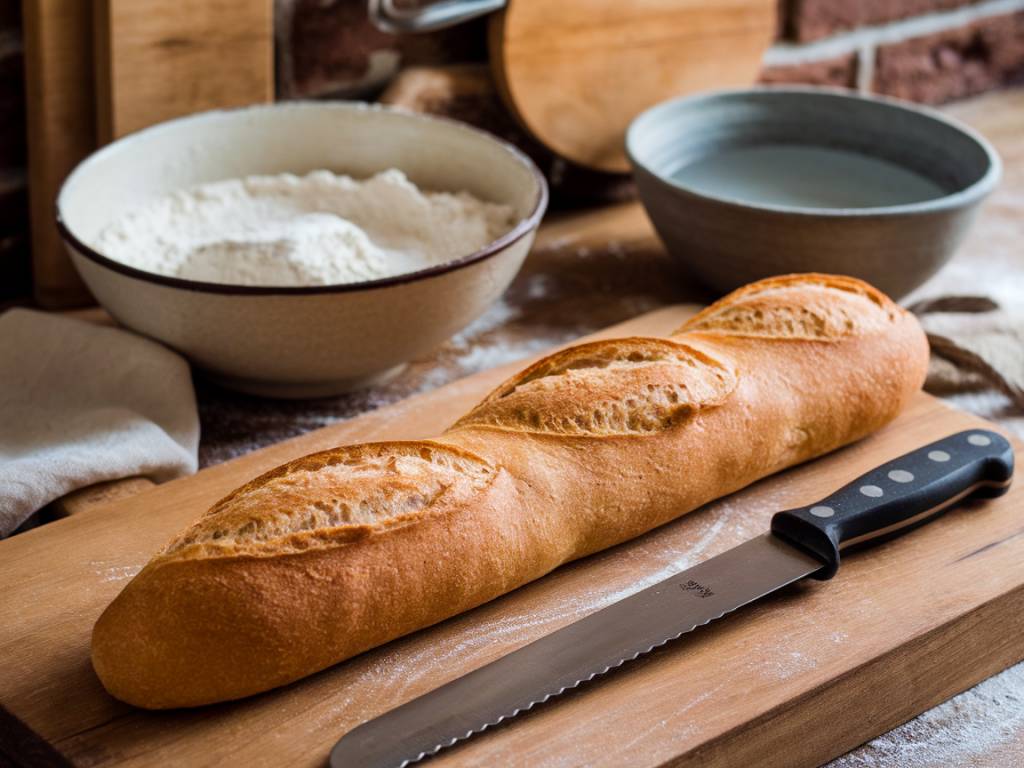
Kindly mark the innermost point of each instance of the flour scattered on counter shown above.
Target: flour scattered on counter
(966, 728)
(287, 230)
(497, 315)
(472, 349)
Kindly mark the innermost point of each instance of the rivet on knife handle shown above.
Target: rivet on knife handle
(899, 495)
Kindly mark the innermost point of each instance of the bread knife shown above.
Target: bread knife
(803, 542)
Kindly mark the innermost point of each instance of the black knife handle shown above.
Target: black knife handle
(899, 495)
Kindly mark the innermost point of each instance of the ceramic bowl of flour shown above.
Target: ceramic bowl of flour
(745, 184)
(303, 249)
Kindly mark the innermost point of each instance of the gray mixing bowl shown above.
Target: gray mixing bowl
(745, 184)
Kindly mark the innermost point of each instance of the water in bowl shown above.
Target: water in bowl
(806, 176)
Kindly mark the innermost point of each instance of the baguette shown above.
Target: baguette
(340, 551)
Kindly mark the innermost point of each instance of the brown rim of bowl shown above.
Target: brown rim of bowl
(522, 228)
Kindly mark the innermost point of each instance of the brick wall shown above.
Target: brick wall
(14, 263)
(924, 50)
(930, 51)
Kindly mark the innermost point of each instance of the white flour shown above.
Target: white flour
(286, 230)
(980, 727)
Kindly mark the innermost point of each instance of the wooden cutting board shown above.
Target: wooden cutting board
(61, 131)
(793, 681)
(575, 74)
(98, 70)
(157, 60)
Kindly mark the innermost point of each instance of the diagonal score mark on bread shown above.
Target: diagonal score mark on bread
(338, 552)
(333, 496)
(630, 386)
(766, 309)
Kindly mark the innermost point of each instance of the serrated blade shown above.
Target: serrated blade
(574, 654)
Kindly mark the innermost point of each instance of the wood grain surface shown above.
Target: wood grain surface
(61, 132)
(793, 681)
(99, 495)
(157, 60)
(577, 73)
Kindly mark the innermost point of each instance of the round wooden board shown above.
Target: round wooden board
(576, 73)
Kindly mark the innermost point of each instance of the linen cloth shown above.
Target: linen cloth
(81, 404)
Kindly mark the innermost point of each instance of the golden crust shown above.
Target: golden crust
(338, 552)
(605, 388)
(333, 497)
(811, 306)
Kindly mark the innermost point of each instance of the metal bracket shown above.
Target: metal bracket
(387, 17)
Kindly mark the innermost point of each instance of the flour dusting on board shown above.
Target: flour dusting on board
(785, 664)
(109, 573)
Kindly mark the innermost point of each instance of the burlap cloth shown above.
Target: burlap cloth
(977, 347)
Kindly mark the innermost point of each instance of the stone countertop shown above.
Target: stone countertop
(587, 273)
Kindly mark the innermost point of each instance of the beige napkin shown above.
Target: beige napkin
(976, 345)
(80, 404)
